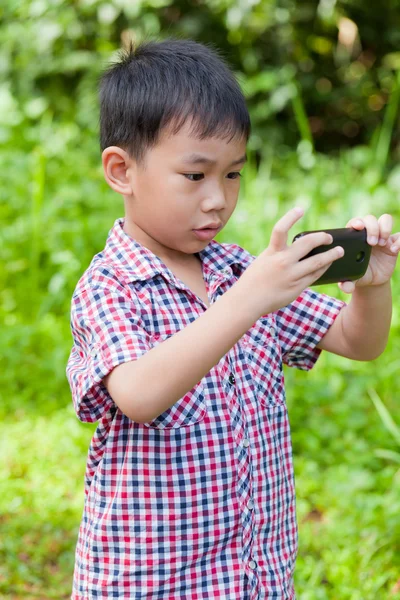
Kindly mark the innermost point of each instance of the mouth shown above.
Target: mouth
(207, 232)
(210, 226)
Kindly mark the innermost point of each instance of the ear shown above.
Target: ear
(116, 164)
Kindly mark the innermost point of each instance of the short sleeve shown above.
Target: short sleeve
(107, 331)
(302, 325)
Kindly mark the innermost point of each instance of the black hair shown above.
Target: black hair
(160, 84)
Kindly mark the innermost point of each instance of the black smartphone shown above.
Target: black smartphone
(353, 264)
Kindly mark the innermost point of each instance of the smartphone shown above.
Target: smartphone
(353, 264)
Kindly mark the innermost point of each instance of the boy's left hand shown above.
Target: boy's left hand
(385, 249)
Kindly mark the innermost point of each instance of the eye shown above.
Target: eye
(236, 175)
(196, 176)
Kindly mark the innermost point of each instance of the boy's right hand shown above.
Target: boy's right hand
(278, 275)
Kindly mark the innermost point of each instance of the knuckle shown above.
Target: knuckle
(282, 261)
(320, 239)
(320, 263)
(279, 228)
(326, 238)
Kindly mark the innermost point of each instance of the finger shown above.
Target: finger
(370, 223)
(319, 263)
(385, 228)
(356, 223)
(347, 287)
(393, 243)
(314, 276)
(302, 246)
(280, 231)
(372, 227)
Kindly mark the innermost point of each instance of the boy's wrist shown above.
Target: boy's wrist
(242, 299)
(365, 290)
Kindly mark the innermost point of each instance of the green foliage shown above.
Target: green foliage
(307, 92)
(390, 425)
(337, 59)
(41, 503)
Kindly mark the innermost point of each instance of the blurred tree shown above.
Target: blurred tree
(332, 60)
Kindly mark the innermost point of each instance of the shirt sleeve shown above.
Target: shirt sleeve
(107, 330)
(302, 325)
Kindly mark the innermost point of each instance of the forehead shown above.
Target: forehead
(185, 146)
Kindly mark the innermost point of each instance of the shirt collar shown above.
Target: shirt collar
(138, 263)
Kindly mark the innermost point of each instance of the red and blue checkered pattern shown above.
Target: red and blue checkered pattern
(198, 503)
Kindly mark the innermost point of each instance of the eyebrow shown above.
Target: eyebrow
(197, 159)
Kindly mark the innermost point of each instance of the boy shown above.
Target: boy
(189, 481)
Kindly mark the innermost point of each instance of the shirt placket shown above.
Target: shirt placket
(243, 447)
(244, 450)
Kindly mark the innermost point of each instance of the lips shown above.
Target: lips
(210, 226)
(206, 233)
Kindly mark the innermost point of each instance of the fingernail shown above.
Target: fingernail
(394, 249)
(372, 240)
(339, 251)
(382, 242)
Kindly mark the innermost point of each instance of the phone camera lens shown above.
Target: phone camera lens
(360, 256)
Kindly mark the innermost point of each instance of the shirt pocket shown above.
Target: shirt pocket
(188, 410)
(263, 357)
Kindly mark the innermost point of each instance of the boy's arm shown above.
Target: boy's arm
(361, 330)
(144, 388)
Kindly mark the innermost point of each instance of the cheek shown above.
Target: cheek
(156, 191)
(181, 185)
(184, 193)
(233, 195)
(175, 200)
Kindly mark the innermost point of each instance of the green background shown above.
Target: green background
(321, 80)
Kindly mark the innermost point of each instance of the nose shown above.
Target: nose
(216, 199)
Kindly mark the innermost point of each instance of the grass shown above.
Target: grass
(42, 483)
(56, 213)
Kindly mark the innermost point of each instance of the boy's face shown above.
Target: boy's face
(185, 184)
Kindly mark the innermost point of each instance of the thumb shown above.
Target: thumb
(347, 287)
(280, 231)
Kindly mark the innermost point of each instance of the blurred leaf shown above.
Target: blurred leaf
(386, 417)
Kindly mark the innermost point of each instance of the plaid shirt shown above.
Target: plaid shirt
(200, 502)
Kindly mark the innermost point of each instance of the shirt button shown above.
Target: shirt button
(226, 271)
(246, 443)
(272, 331)
(93, 352)
(250, 504)
(252, 564)
(231, 379)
